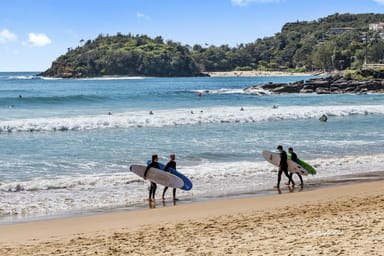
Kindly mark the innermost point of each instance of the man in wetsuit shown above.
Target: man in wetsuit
(152, 190)
(283, 166)
(170, 164)
(295, 159)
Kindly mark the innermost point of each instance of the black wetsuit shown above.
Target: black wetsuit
(295, 159)
(153, 187)
(170, 164)
(283, 167)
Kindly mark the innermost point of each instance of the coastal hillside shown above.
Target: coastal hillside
(125, 55)
(336, 42)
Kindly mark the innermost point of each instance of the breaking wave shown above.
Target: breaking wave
(179, 117)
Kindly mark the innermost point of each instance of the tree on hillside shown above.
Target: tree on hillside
(339, 41)
(323, 56)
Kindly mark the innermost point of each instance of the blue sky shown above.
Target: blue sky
(35, 33)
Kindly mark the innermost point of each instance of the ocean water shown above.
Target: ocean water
(66, 145)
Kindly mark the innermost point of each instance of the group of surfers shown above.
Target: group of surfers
(283, 167)
(154, 164)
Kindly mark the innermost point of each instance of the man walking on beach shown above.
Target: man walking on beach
(152, 190)
(170, 164)
(283, 167)
(295, 159)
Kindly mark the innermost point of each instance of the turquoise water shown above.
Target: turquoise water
(67, 144)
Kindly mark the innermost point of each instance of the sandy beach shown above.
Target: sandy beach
(340, 220)
(259, 73)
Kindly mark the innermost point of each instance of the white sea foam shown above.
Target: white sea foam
(30, 77)
(105, 78)
(113, 78)
(179, 117)
(69, 194)
(50, 78)
(255, 91)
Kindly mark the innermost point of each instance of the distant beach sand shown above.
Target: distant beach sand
(341, 220)
(259, 73)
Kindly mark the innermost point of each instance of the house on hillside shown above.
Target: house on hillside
(378, 27)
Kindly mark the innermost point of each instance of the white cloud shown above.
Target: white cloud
(38, 40)
(379, 1)
(246, 2)
(142, 16)
(7, 36)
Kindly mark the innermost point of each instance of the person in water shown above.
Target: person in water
(154, 164)
(323, 118)
(283, 166)
(295, 159)
(170, 164)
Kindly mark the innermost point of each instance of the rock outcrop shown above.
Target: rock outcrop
(336, 84)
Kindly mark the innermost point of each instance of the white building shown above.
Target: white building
(376, 26)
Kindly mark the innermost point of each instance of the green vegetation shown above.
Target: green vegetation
(336, 42)
(339, 41)
(125, 55)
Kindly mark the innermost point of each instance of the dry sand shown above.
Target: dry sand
(342, 220)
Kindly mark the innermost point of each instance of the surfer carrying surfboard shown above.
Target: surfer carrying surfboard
(295, 159)
(152, 190)
(170, 164)
(283, 167)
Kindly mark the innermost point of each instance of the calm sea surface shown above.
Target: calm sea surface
(66, 145)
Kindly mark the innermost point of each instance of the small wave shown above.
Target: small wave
(101, 180)
(225, 91)
(106, 78)
(50, 78)
(326, 166)
(114, 78)
(54, 99)
(21, 77)
(43, 196)
(258, 91)
(178, 117)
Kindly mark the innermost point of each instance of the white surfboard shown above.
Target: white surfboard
(274, 158)
(158, 176)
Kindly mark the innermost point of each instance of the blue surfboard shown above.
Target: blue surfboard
(187, 182)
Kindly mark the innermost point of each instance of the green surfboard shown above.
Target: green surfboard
(305, 165)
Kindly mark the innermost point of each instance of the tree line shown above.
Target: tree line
(338, 41)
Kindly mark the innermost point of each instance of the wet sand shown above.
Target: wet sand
(336, 220)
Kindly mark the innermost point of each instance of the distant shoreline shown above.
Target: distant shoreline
(260, 73)
(253, 73)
